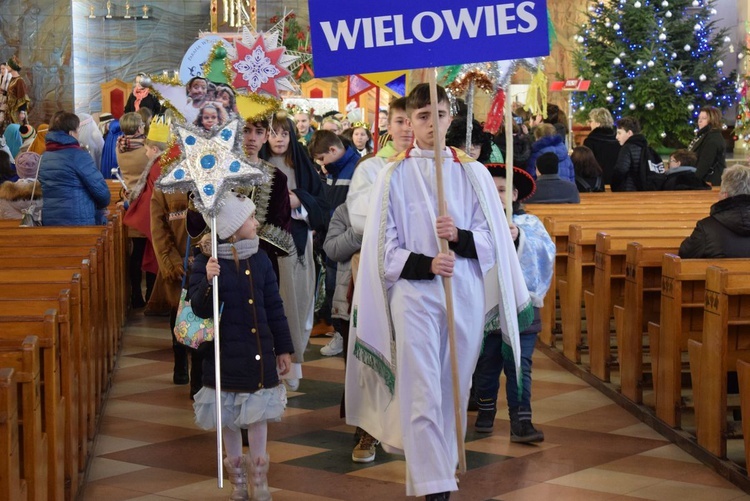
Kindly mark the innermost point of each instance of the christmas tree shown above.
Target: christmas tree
(657, 60)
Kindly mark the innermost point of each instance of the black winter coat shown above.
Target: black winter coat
(605, 146)
(725, 233)
(252, 322)
(709, 145)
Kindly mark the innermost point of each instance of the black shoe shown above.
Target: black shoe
(525, 433)
(441, 496)
(485, 421)
(180, 377)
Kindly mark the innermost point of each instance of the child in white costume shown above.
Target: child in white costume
(399, 382)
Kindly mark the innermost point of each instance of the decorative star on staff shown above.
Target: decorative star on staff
(211, 166)
(263, 63)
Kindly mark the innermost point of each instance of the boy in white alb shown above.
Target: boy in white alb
(399, 382)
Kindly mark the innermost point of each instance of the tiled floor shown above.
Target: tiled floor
(147, 447)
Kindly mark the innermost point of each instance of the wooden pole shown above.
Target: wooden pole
(447, 284)
(509, 156)
(217, 360)
(376, 122)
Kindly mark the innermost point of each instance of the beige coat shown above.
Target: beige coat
(169, 237)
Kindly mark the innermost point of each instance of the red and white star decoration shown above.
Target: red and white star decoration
(262, 64)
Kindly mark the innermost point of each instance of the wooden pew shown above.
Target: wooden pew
(558, 227)
(725, 340)
(743, 376)
(12, 486)
(23, 357)
(614, 265)
(45, 328)
(681, 319)
(69, 372)
(580, 272)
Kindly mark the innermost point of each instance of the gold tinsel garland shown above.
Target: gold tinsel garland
(480, 79)
(267, 106)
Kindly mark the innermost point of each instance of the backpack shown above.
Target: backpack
(651, 175)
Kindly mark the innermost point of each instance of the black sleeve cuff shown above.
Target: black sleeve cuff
(465, 246)
(417, 267)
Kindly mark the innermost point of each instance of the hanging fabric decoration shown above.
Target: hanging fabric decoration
(495, 114)
(536, 96)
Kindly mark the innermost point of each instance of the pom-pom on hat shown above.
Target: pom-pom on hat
(27, 164)
(522, 180)
(27, 131)
(234, 211)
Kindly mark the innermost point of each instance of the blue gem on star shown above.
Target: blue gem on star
(235, 166)
(208, 162)
(209, 190)
(179, 174)
(190, 140)
(226, 134)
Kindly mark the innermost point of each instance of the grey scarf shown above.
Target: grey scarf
(245, 249)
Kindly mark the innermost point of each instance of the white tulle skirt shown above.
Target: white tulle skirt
(238, 410)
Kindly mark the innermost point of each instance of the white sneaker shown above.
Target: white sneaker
(334, 346)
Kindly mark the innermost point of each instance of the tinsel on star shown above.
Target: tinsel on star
(210, 166)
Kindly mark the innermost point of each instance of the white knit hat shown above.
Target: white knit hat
(236, 209)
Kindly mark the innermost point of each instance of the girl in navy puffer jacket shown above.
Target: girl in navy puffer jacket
(75, 193)
(254, 344)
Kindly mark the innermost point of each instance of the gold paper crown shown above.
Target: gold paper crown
(362, 125)
(159, 130)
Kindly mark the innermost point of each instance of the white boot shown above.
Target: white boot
(257, 470)
(235, 468)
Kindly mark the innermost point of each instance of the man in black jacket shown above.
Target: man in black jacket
(638, 167)
(726, 232)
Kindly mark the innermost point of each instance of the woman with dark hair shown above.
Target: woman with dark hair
(709, 145)
(587, 169)
(75, 193)
(480, 148)
(310, 212)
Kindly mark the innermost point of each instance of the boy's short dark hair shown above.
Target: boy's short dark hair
(64, 121)
(396, 105)
(629, 124)
(547, 163)
(685, 157)
(261, 124)
(419, 97)
(322, 140)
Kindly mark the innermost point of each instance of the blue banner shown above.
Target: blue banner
(383, 35)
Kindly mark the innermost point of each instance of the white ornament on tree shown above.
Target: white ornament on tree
(687, 48)
(727, 39)
(650, 64)
(697, 27)
(719, 64)
(639, 62)
(665, 3)
(616, 61)
(649, 106)
(690, 107)
(713, 12)
(662, 36)
(674, 55)
(632, 106)
(663, 135)
(679, 84)
(637, 5)
(630, 87)
(709, 95)
(696, 3)
(668, 13)
(616, 27)
(609, 99)
(702, 78)
(610, 85)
